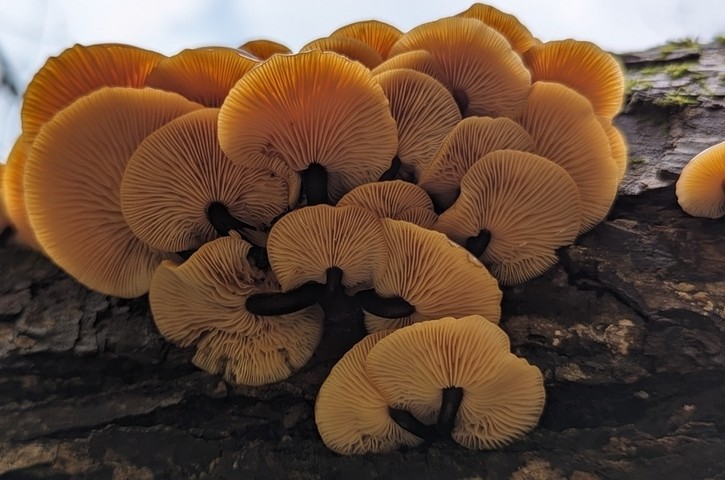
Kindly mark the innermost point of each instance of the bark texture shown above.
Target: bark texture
(629, 330)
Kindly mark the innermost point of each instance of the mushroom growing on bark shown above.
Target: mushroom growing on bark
(701, 186)
(73, 177)
(12, 194)
(460, 376)
(320, 113)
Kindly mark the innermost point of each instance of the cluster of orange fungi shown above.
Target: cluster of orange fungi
(385, 179)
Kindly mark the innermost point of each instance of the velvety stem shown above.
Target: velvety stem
(391, 172)
(258, 257)
(407, 421)
(314, 184)
(450, 403)
(386, 307)
(478, 244)
(282, 303)
(218, 215)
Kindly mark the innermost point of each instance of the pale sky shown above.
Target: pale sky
(32, 30)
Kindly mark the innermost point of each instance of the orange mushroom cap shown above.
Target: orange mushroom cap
(506, 24)
(263, 49)
(418, 60)
(351, 48)
(4, 219)
(13, 193)
(701, 186)
(379, 35)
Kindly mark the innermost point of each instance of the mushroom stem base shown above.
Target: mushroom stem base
(314, 184)
(478, 244)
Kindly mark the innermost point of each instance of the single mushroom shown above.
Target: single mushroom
(470, 140)
(515, 210)
(418, 60)
(379, 35)
(701, 187)
(459, 375)
(351, 415)
(395, 199)
(13, 195)
(488, 78)
(201, 303)
(506, 24)
(566, 131)
(203, 75)
(180, 191)
(77, 71)
(582, 66)
(425, 113)
(434, 275)
(320, 113)
(617, 145)
(73, 178)
(351, 48)
(263, 48)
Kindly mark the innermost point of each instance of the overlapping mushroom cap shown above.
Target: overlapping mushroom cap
(351, 48)
(487, 76)
(394, 199)
(316, 109)
(203, 75)
(78, 71)
(701, 186)
(13, 195)
(73, 179)
(202, 302)
(515, 210)
(379, 35)
(434, 275)
(351, 415)
(264, 48)
(506, 24)
(4, 219)
(179, 190)
(418, 60)
(468, 359)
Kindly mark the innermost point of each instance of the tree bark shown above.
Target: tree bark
(628, 329)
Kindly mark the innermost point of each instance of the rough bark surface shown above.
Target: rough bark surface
(629, 330)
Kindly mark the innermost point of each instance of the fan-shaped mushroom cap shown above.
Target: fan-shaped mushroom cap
(701, 186)
(352, 417)
(395, 199)
(617, 145)
(470, 140)
(566, 131)
(582, 66)
(73, 180)
(379, 35)
(434, 275)
(4, 219)
(202, 302)
(503, 396)
(527, 204)
(418, 60)
(311, 108)
(425, 113)
(506, 24)
(13, 195)
(263, 49)
(203, 75)
(351, 48)
(178, 171)
(487, 76)
(77, 71)
(304, 243)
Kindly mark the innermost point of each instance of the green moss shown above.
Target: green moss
(637, 160)
(673, 70)
(632, 85)
(676, 100)
(720, 39)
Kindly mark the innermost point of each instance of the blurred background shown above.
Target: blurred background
(33, 30)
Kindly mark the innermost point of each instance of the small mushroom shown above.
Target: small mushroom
(351, 48)
(470, 140)
(434, 275)
(180, 191)
(425, 113)
(488, 78)
(351, 415)
(418, 60)
(515, 210)
(73, 178)
(201, 303)
(459, 375)
(701, 187)
(582, 66)
(263, 48)
(395, 199)
(379, 35)
(13, 195)
(320, 113)
(566, 131)
(203, 75)
(77, 71)
(506, 24)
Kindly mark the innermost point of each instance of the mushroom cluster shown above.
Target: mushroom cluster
(377, 180)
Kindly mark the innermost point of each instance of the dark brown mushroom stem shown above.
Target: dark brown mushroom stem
(287, 302)
(386, 307)
(314, 184)
(218, 215)
(407, 421)
(5, 235)
(450, 403)
(461, 98)
(478, 244)
(391, 172)
(451, 399)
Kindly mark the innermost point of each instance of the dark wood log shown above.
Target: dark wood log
(629, 330)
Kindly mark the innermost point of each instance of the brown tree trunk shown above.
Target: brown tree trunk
(629, 330)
